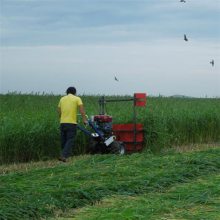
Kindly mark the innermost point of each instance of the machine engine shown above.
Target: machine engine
(103, 123)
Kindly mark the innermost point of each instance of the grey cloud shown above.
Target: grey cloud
(85, 21)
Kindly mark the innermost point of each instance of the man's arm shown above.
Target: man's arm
(82, 112)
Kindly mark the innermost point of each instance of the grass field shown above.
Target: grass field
(30, 128)
(138, 186)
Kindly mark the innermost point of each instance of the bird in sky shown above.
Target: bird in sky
(116, 79)
(185, 38)
(212, 62)
(183, 1)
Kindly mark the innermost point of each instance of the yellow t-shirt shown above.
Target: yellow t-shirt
(69, 107)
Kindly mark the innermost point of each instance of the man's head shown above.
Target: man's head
(71, 90)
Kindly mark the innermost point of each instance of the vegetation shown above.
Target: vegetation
(29, 126)
(168, 186)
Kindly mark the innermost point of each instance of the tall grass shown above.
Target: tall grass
(29, 124)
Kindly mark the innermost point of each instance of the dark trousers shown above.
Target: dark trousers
(68, 134)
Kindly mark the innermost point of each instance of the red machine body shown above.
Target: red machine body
(125, 133)
(103, 118)
(140, 99)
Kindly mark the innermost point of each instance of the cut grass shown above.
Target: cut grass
(32, 165)
(199, 199)
(191, 148)
(25, 167)
(52, 191)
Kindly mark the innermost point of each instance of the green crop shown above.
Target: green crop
(29, 125)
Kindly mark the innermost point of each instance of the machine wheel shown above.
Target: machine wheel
(96, 147)
(92, 146)
(117, 147)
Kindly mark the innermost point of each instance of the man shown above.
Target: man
(67, 108)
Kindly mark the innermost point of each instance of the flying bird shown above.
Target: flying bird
(185, 38)
(116, 79)
(212, 62)
(183, 1)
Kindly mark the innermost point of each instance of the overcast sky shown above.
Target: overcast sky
(48, 45)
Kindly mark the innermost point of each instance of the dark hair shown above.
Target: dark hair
(71, 90)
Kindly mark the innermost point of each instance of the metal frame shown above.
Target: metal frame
(102, 108)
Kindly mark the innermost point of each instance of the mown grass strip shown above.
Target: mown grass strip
(41, 193)
(196, 200)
